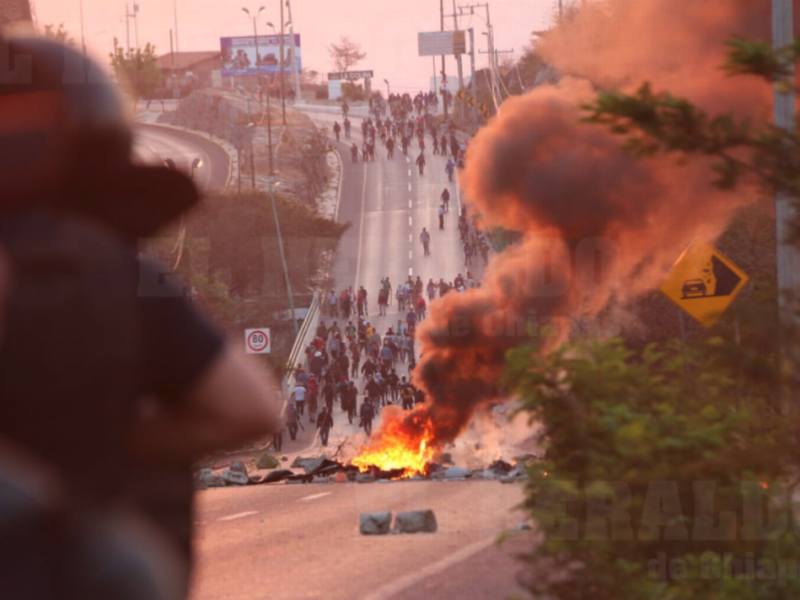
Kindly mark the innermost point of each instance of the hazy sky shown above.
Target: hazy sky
(387, 30)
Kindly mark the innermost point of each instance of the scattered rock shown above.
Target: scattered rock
(365, 478)
(267, 461)
(277, 475)
(299, 462)
(208, 478)
(375, 523)
(312, 464)
(524, 527)
(416, 521)
(485, 474)
(500, 467)
(238, 467)
(457, 473)
(284, 458)
(235, 477)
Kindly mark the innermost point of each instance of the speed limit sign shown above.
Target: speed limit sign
(257, 341)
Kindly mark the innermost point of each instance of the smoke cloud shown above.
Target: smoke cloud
(600, 227)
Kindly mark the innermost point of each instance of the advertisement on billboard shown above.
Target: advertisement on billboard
(239, 54)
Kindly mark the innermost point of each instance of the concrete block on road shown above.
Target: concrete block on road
(375, 523)
(365, 478)
(238, 467)
(207, 477)
(416, 521)
(235, 477)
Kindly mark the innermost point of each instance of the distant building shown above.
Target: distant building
(193, 69)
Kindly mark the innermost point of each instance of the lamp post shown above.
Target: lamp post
(388, 88)
(280, 63)
(261, 9)
(283, 256)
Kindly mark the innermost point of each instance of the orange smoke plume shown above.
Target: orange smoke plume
(599, 226)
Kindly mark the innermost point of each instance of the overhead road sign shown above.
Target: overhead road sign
(258, 341)
(704, 283)
(438, 43)
(351, 75)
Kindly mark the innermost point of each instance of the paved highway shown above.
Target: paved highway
(155, 144)
(302, 541)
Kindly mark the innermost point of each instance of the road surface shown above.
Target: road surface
(302, 541)
(155, 144)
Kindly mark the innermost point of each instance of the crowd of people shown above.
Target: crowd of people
(334, 364)
(407, 120)
(338, 357)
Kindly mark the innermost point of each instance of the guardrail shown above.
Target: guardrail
(304, 337)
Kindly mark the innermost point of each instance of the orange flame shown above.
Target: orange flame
(404, 442)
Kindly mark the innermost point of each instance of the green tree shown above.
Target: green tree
(60, 34)
(616, 419)
(345, 54)
(138, 69)
(657, 122)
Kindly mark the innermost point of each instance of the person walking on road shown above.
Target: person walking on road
(421, 162)
(367, 414)
(445, 198)
(354, 152)
(441, 216)
(347, 127)
(425, 238)
(324, 424)
(450, 168)
(292, 420)
(390, 148)
(299, 397)
(337, 129)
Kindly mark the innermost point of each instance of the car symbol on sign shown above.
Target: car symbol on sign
(693, 288)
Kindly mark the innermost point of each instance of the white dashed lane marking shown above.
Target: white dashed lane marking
(315, 497)
(239, 515)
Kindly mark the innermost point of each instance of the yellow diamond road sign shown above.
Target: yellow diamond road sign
(704, 283)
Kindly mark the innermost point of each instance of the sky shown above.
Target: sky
(385, 29)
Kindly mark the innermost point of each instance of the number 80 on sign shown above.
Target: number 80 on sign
(257, 341)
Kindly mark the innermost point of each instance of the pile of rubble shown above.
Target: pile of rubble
(415, 521)
(321, 469)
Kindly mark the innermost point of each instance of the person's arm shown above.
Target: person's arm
(233, 401)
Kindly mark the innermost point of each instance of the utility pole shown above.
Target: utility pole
(83, 38)
(127, 29)
(295, 73)
(788, 258)
(474, 80)
(495, 66)
(444, 74)
(176, 92)
(458, 59)
(283, 89)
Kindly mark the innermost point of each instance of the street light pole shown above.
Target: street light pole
(283, 90)
(295, 73)
(283, 257)
(258, 78)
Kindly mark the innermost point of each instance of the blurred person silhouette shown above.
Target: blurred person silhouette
(110, 380)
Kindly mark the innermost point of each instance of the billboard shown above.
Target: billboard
(239, 54)
(438, 43)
